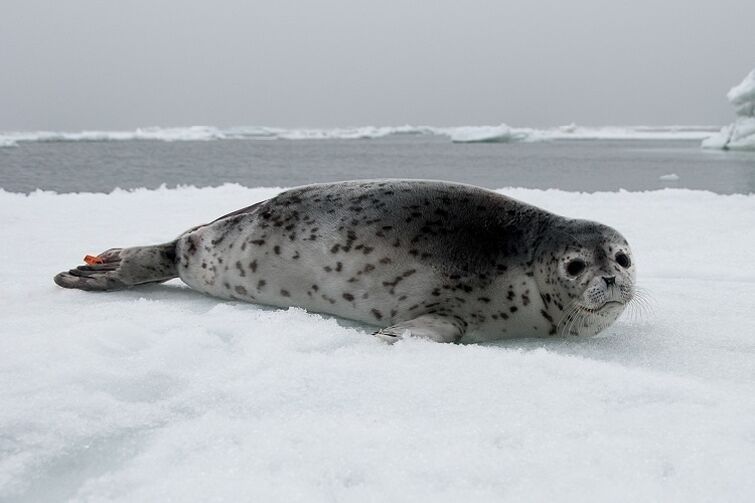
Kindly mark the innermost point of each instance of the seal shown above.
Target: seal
(443, 261)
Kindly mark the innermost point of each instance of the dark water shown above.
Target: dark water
(569, 165)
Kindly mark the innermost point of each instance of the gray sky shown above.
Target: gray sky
(94, 64)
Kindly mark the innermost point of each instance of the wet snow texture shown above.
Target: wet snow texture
(163, 394)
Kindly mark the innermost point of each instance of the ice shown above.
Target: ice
(742, 96)
(739, 135)
(575, 132)
(459, 134)
(671, 177)
(165, 394)
(506, 134)
(487, 134)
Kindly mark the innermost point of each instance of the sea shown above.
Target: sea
(573, 165)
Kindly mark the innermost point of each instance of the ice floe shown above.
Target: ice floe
(459, 134)
(165, 394)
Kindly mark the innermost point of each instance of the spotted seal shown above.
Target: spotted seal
(444, 261)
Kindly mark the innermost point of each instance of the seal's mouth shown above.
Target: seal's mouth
(602, 307)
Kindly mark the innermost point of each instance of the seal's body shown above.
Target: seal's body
(430, 259)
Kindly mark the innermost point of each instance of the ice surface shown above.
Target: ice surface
(164, 394)
(461, 134)
(739, 135)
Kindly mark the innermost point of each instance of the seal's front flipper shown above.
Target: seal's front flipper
(428, 326)
(119, 268)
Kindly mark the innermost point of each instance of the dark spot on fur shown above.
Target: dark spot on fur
(260, 284)
(285, 293)
(240, 290)
(377, 314)
(192, 246)
(348, 297)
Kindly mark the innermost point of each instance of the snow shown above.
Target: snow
(458, 134)
(739, 135)
(164, 394)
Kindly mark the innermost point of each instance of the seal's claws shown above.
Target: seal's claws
(391, 334)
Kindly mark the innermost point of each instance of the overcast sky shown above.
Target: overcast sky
(97, 64)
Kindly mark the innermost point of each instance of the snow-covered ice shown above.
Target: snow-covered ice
(739, 135)
(457, 134)
(164, 394)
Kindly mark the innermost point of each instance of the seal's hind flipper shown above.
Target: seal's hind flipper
(96, 281)
(119, 268)
(428, 326)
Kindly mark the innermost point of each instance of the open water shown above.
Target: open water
(588, 166)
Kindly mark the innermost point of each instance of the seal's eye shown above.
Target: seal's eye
(623, 260)
(575, 267)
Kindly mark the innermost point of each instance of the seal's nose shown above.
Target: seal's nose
(610, 280)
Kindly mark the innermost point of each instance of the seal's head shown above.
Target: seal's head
(585, 272)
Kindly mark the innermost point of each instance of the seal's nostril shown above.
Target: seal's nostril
(610, 280)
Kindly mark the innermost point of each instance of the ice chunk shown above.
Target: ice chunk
(739, 135)
(487, 134)
(742, 96)
(669, 178)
